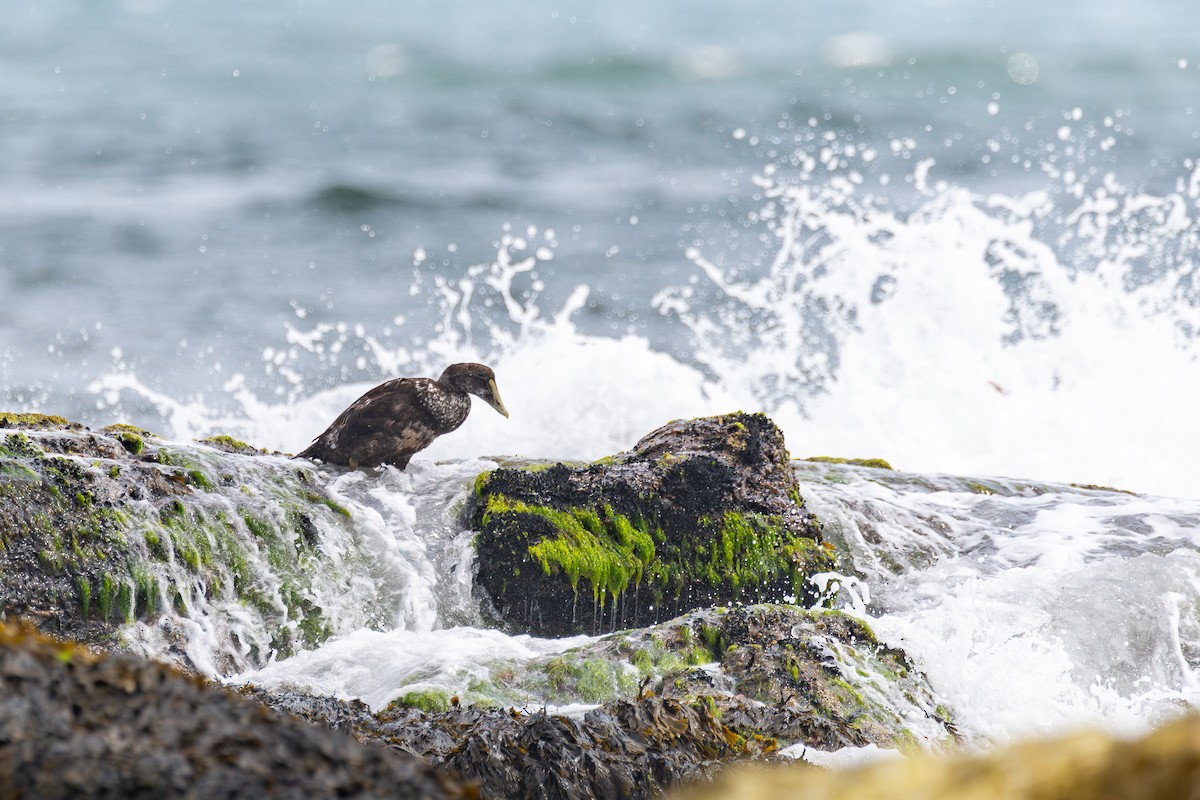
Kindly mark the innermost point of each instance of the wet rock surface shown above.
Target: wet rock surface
(816, 677)
(627, 749)
(712, 687)
(105, 528)
(76, 724)
(102, 528)
(700, 512)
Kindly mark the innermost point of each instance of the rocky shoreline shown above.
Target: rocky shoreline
(690, 560)
(661, 547)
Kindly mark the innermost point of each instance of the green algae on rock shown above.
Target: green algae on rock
(874, 463)
(815, 676)
(229, 444)
(794, 675)
(12, 419)
(99, 529)
(699, 512)
(671, 702)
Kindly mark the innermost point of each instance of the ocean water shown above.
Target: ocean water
(949, 234)
(1032, 608)
(959, 236)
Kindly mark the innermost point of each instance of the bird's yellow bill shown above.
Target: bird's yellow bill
(497, 403)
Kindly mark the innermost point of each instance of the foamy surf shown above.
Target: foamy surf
(1047, 335)
(378, 667)
(1033, 608)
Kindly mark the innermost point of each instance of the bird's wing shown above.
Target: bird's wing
(385, 425)
(384, 402)
(390, 408)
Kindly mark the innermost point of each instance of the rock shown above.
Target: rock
(99, 529)
(102, 528)
(817, 677)
(1086, 766)
(698, 513)
(105, 528)
(76, 724)
(674, 701)
(625, 750)
(812, 676)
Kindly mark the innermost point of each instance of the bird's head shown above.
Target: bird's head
(474, 379)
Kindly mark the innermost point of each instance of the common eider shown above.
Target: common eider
(390, 423)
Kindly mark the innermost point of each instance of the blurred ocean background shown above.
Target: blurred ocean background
(958, 235)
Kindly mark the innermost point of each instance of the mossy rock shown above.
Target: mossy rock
(873, 463)
(699, 512)
(102, 528)
(671, 700)
(816, 676)
(36, 422)
(430, 700)
(228, 444)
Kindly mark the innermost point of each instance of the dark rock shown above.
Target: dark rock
(699, 512)
(710, 687)
(624, 750)
(75, 724)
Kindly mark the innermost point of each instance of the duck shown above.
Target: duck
(399, 418)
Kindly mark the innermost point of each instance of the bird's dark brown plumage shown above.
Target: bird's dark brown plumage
(390, 423)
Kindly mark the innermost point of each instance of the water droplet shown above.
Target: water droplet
(1023, 68)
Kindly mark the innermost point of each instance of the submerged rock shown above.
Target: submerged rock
(99, 529)
(700, 512)
(817, 677)
(670, 703)
(76, 724)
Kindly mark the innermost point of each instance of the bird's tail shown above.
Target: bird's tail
(309, 452)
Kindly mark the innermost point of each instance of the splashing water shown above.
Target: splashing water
(579, 396)
(392, 557)
(1049, 334)
(1032, 607)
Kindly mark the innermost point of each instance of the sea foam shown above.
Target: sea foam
(1036, 336)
